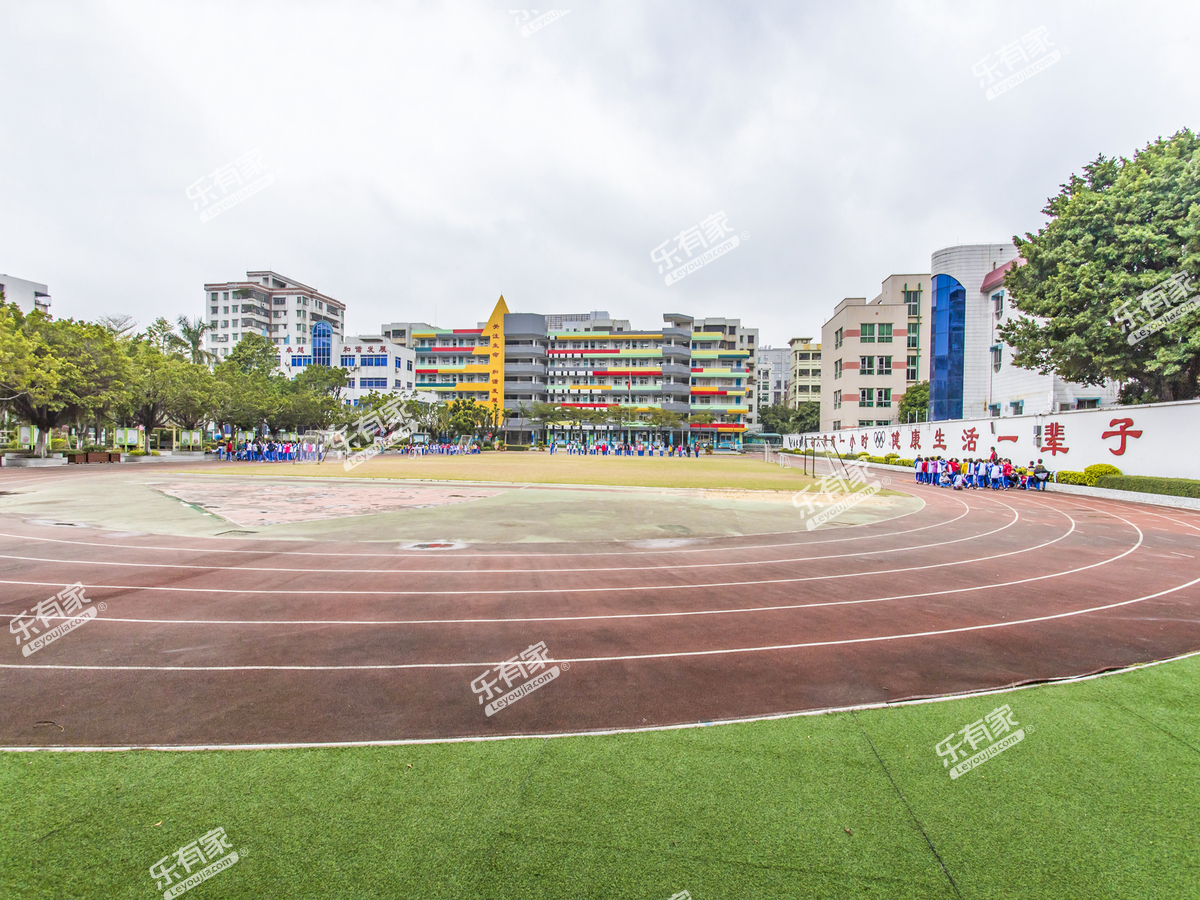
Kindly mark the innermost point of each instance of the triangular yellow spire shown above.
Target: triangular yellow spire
(494, 330)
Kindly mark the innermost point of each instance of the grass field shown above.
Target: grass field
(745, 473)
(1099, 801)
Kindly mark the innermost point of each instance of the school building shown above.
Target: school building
(703, 369)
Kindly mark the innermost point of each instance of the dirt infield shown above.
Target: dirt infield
(245, 641)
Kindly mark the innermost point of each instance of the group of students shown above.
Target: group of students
(271, 451)
(439, 449)
(625, 448)
(994, 473)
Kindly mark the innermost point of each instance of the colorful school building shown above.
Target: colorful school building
(700, 369)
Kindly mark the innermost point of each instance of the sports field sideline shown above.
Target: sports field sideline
(1098, 801)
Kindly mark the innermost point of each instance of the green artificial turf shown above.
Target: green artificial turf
(1100, 800)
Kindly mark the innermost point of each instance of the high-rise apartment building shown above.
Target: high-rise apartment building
(875, 351)
(30, 296)
(804, 380)
(286, 312)
(772, 375)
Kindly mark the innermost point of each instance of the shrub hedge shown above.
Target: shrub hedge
(1068, 477)
(1098, 471)
(1146, 484)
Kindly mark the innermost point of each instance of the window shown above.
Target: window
(226, 295)
(997, 357)
(816, 356)
(865, 423)
(866, 397)
(883, 421)
(994, 410)
(866, 365)
(226, 310)
(837, 399)
(914, 335)
(998, 304)
(885, 332)
(837, 368)
(913, 299)
(212, 324)
(373, 383)
(885, 365)
(375, 360)
(224, 323)
(837, 339)
(803, 356)
(1087, 404)
(867, 335)
(883, 397)
(322, 343)
(347, 362)
(213, 296)
(1017, 407)
(910, 371)
(837, 424)
(214, 310)
(301, 360)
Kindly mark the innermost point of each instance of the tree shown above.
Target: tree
(914, 405)
(119, 324)
(783, 419)
(254, 354)
(161, 334)
(57, 371)
(192, 397)
(191, 333)
(327, 380)
(1121, 228)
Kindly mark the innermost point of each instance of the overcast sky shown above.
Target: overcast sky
(426, 158)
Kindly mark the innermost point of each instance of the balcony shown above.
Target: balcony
(678, 370)
(522, 350)
(511, 368)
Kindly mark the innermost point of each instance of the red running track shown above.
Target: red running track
(248, 642)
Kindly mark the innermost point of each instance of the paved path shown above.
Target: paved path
(231, 641)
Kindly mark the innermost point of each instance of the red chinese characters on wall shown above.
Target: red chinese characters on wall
(914, 441)
(1123, 432)
(1055, 434)
(970, 439)
(939, 440)
(895, 440)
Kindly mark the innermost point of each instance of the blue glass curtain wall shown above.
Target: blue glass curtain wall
(947, 349)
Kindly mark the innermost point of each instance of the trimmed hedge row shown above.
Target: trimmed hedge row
(1147, 484)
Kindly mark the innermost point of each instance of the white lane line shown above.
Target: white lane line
(560, 590)
(473, 572)
(607, 616)
(628, 658)
(770, 717)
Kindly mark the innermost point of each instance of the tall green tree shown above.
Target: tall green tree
(254, 354)
(60, 370)
(1117, 230)
(914, 405)
(191, 333)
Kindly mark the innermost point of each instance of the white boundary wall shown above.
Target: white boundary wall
(1167, 445)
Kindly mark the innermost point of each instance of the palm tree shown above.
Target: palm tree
(192, 336)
